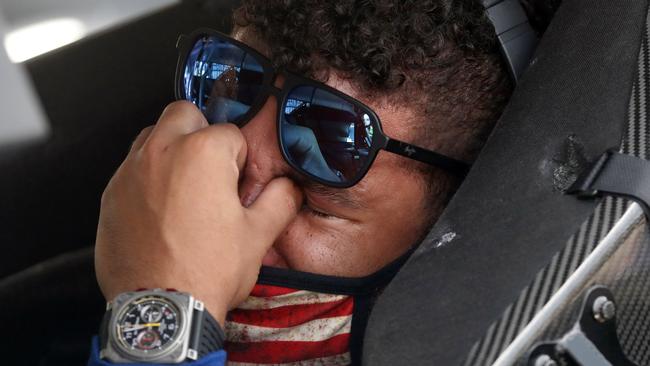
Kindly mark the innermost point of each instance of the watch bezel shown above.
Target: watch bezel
(175, 351)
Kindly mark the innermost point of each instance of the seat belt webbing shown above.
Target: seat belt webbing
(616, 174)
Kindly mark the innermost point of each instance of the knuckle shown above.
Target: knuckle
(228, 128)
(144, 162)
(179, 105)
(109, 191)
(199, 142)
(149, 153)
(230, 133)
(184, 110)
(222, 137)
(146, 131)
(141, 137)
(106, 196)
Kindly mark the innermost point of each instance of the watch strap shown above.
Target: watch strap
(207, 334)
(103, 328)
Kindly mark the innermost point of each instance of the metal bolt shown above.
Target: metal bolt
(545, 360)
(604, 309)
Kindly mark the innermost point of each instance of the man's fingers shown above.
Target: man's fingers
(142, 137)
(224, 147)
(229, 136)
(178, 119)
(274, 209)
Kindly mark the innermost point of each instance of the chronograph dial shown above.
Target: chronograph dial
(161, 326)
(147, 324)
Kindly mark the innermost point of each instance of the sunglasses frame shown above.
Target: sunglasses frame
(380, 141)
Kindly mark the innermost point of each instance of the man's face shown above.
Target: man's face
(344, 232)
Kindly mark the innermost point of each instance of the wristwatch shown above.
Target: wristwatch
(158, 326)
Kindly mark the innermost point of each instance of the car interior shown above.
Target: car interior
(503, 278)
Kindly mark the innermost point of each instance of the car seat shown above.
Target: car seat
(510, 273)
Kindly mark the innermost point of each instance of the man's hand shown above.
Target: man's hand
(171, 216)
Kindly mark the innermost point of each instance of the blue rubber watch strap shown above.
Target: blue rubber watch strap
(217, 358)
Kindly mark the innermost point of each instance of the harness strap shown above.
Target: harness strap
(616, 174)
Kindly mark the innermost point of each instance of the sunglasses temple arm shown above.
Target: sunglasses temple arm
(451, 165)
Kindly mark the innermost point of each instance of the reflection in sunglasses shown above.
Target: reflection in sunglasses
(211, 70)
(306, 153)
(293, 104)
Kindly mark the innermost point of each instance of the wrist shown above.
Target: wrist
(217, 310)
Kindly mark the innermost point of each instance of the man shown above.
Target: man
(200, 208)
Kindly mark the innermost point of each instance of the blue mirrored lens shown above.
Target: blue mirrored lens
(222, 79)
(325, 135)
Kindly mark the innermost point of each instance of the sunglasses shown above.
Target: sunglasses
(323, 133)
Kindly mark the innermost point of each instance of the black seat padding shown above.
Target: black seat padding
(50, 311)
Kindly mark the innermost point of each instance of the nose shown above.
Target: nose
(264, 161)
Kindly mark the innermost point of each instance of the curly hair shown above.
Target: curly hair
(440, 57)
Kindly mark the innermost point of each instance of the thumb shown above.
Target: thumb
(274, 209)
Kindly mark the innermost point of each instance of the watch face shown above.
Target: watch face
(148, 325)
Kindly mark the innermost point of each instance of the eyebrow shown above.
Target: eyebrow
(340, 196)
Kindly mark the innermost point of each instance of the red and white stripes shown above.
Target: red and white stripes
(282, 326)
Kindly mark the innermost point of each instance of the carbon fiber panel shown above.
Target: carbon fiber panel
(627, 274)
(635, 337)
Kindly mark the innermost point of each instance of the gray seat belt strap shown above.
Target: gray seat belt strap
(616, 174)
